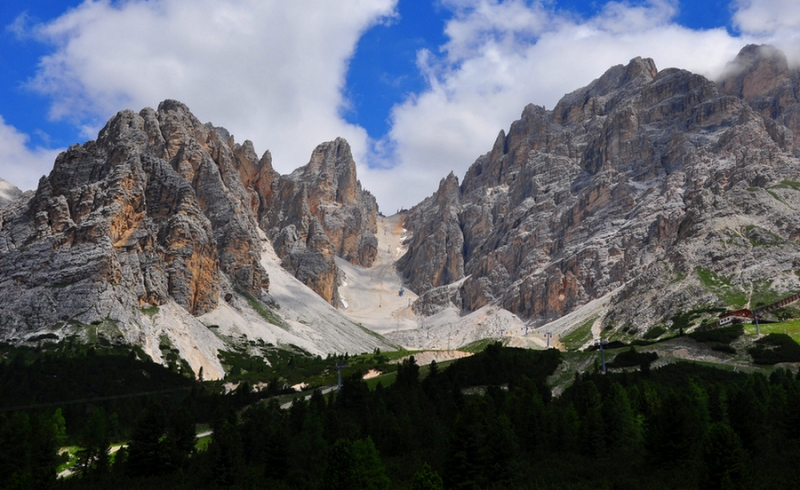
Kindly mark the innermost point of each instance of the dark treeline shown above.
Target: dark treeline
(87, 381)
(484, 422)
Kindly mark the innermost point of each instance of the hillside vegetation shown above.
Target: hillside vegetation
(487, 421)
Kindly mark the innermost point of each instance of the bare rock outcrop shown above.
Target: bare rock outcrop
(436, 257)
(152, 210)
(644, 184)
(319, 212)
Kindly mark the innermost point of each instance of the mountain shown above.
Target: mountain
(144, 235)
(8, 192)
(646, 198)
(640, 197)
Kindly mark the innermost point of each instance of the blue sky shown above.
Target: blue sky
(419, 88)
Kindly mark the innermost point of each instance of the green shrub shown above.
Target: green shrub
(654, 332)
(683, 320)
(631, 357)
(724, 335)
(723, 348)
(787, 313)
(775, 348)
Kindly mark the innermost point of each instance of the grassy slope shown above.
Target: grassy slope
(792, 329)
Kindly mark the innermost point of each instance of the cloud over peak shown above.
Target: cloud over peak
(274, 71)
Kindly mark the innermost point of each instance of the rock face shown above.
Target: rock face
(664, 189)
(437, 256)
(760, 75)
(318, 212)
(151, 208)
(8, 193)
(164, 209)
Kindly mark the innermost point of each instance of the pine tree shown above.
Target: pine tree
(59, 427)
(94, 444)
(44, 450)
(427, 479)
(622, 429)
(354, 466)
(592, 424)
(226, 450)
(675, 429)
(724, 458)
(146, 453)
(180, 439)
(407, 373)
(15, 444)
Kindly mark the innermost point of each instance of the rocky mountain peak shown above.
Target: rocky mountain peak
(332, 171)
(319, 212)
(639, 66)
(600, 96)
(448, 191)
(158, 197)
(755, 72)
(761, 76)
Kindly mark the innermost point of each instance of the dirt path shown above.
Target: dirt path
(323, 391)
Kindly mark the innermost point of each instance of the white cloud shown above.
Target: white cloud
(20, 165)
(274, 71)
(269, 71)
(500, 56)
(19, 28)
(766, 16)
(775, 22)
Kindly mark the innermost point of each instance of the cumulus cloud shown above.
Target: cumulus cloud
(274, 71)
(23, 166)
(269, 71)
(775, 22)
(766, 16)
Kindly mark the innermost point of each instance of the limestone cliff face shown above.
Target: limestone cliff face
(318, 212)
(151, 211)
(643, 184)
(760, 75)
(436, 257)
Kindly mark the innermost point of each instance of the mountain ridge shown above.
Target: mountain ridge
(642, 195)
(613, 191)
